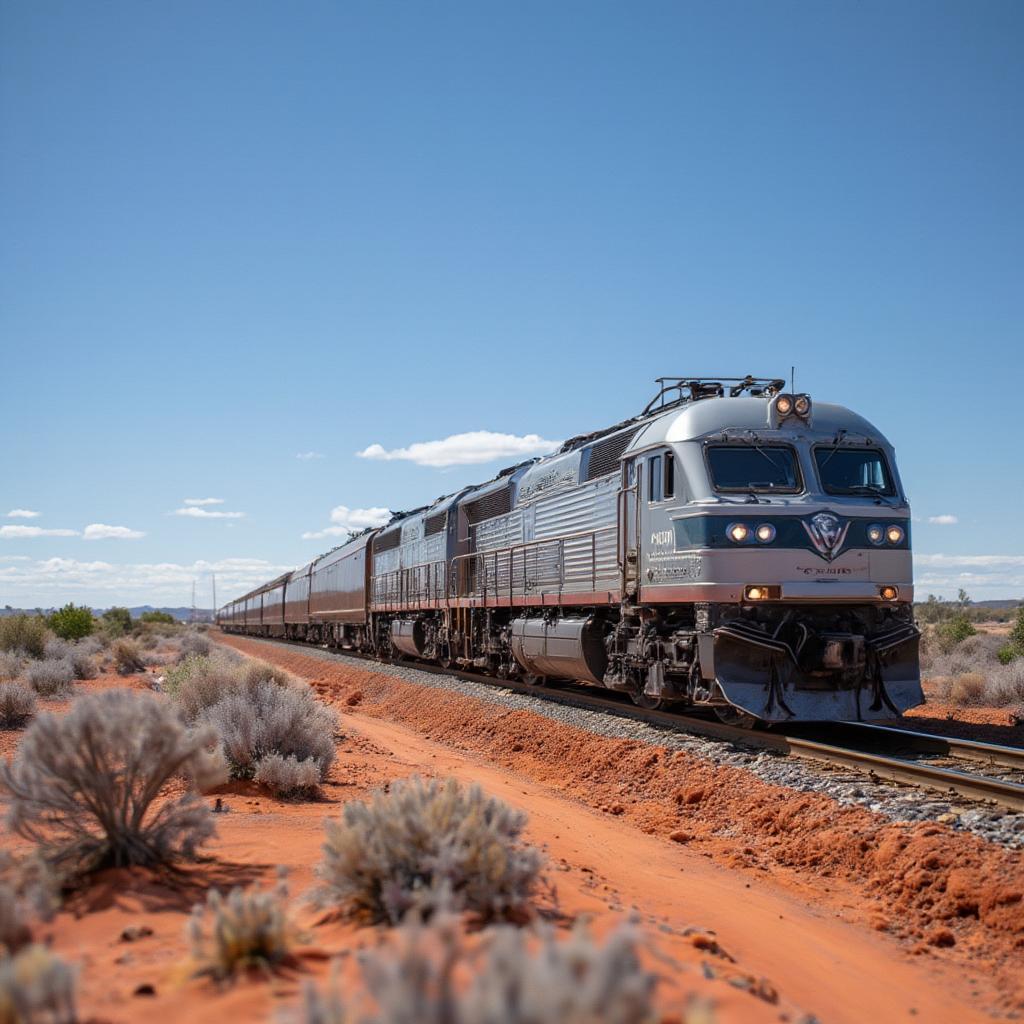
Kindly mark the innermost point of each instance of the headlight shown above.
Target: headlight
(784, 405)
(894, 534)
(756, 593)
(888, 593)
(737, 532)
(765, 533)
(802, 404)
(876, 534)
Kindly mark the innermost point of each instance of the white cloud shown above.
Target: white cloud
(347, 520)
(983, 576)
(49, 582)
(307, 456)
(22, 513)
(12, 532)
(944, 520)
(464, 449)
(100, 531)
(193, 512)
(203, 501)
(15, 558)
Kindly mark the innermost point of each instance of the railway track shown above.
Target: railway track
(879, 751)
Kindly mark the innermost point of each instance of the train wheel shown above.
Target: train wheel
(642, 700)
(729, 715)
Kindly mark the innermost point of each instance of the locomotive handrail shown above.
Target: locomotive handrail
(511, 551)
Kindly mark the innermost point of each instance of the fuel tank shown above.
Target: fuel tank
(409, 636)
(570, 648)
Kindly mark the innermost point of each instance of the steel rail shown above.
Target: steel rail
(895, 769)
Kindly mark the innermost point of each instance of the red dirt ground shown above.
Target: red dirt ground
(814, 908)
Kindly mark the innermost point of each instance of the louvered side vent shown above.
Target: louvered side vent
(605, 455)
(497, 503)
(435, 523)
(387, 541)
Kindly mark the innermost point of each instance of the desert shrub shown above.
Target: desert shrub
(194, 644)
(163, 618)
(127, 656)
(11, 665)
(72, 622)
(17, 704)
(1006, 654)
(967, 689)
(148, 641)
(523, 977)
(256, 721)
(288, 776)
(56, 649)
(117, 621)
(255, 671)
(26, 633)
(36, 987)
(83, 662)
(198, 683)
(250, 928)
(953, 632)
(51, 678)
(82, 786)
(423, 840)
(1006, 685)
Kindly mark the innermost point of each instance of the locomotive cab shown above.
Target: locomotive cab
(787, 533)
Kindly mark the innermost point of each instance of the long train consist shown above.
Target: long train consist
(734, 546)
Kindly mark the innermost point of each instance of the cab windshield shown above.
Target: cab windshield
(753, 468)
(853, 471)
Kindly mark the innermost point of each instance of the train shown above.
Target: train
(735, 546)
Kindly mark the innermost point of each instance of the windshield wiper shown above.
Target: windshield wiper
(875, 489)
(836, 442)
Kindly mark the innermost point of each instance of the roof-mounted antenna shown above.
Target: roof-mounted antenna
(792, 380)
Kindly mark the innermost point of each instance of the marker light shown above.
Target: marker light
(894, 534)
(737, 532)
(765, 533)
(802, 404)
(784, 405)
(888, 593)
(756, 593)
(762, 592)
(876, 534)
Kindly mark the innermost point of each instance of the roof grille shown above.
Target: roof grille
(496, 503)
(387, 541)
(605, 455)
(435, 523)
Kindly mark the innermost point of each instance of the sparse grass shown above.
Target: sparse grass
(249, 929)
(36, 987)
(17, 704)
(128, 657)
(51, 678)
(26, 633)
(523, 977)
(82, 787)
(424, 844)
(259, 720)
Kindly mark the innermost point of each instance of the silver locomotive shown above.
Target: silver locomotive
(734, 546)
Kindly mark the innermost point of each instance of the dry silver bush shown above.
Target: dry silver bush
(288, 776)
(51, 678)
(83, 786)
(525, 977)
(424, 843)
(262, 719)
(194, 644)
(36, 987)
(17, 704)
(11, 664)
(56, 649)
(256, 671)
(127, 656)
(247, 929)
(200, 682)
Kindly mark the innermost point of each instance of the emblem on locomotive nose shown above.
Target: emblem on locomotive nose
(827, 534)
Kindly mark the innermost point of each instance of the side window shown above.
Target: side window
(670, 476)
(654, 478)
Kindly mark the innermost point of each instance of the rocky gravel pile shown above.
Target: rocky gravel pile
(893, 801)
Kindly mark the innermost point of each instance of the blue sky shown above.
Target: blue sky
(233, 233)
